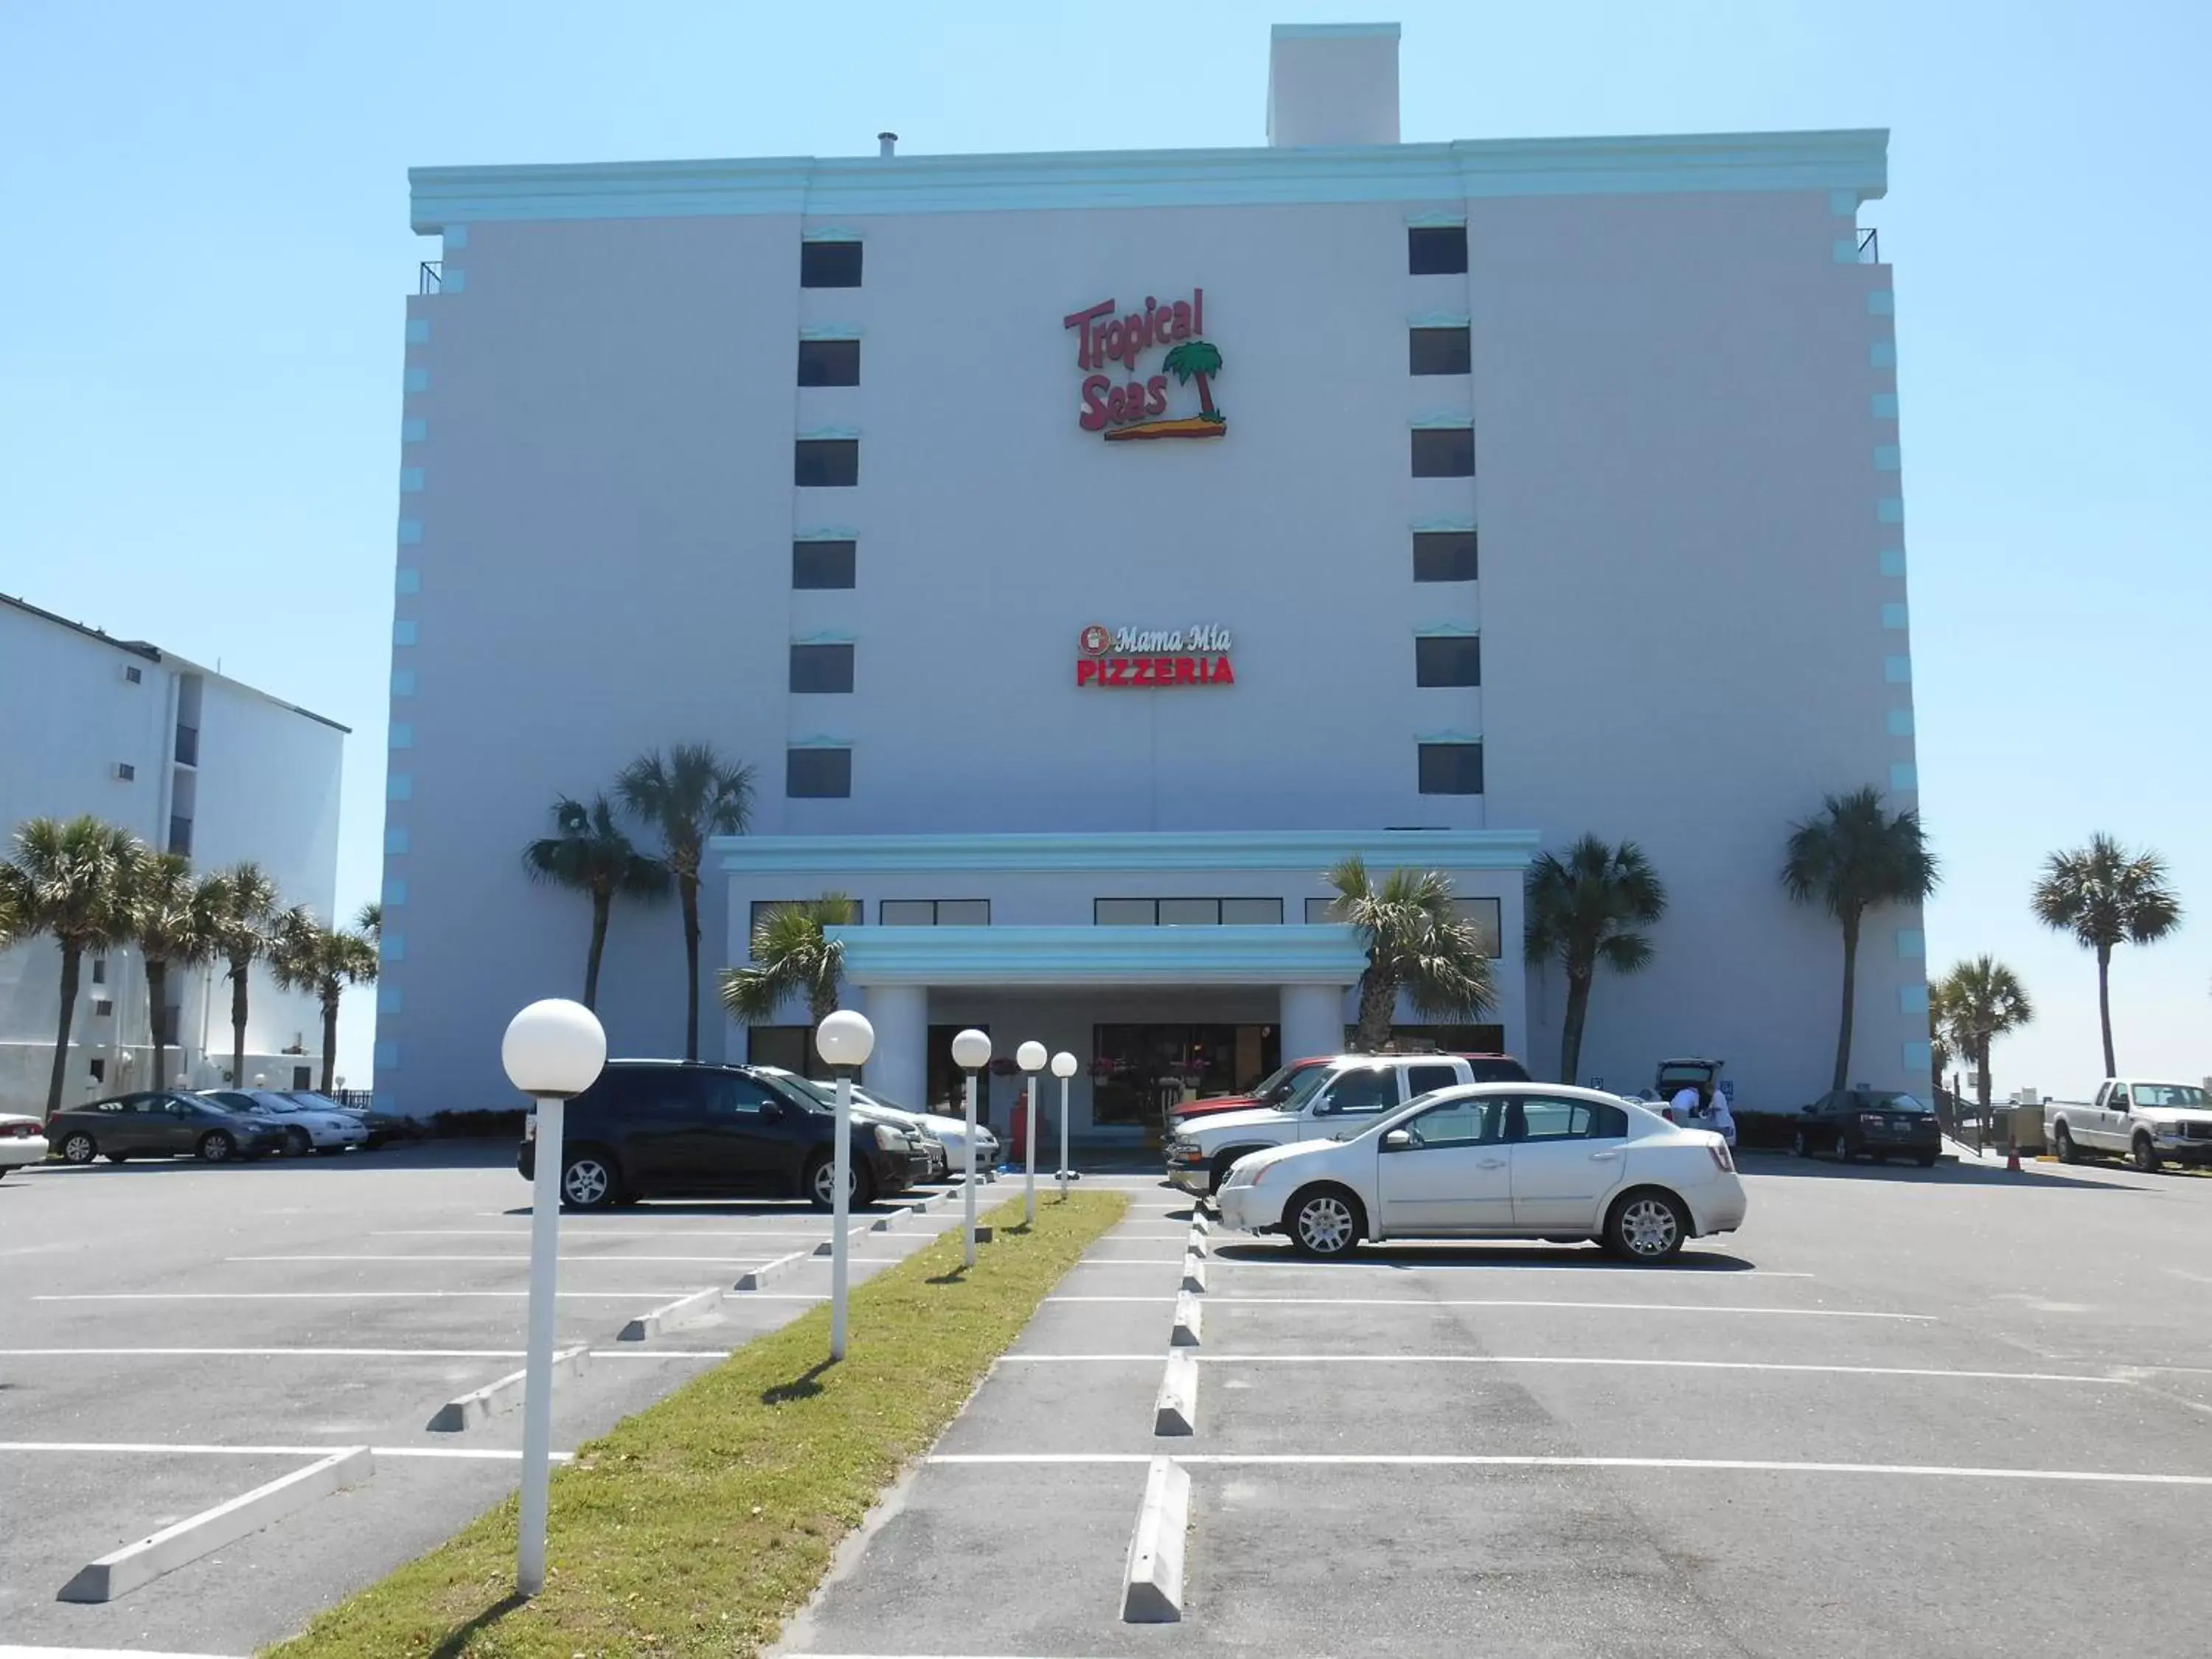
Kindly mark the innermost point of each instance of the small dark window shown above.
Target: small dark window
(1439, 452)
(1443, 556)
(99, 970)
(834, 463)
(1431, 250)
(1429, 351)
(125, 771)
(818, 773)
(822, 564)
(102, 1008)
(1451, 768)
(837, 265)
(934, 913)
(822, 668)
(134, 677)
(1447, 659)
(99, 1070)
(837, 362)
(301, 1078)
(1320, 910)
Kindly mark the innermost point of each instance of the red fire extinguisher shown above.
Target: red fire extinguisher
(1019, 1138)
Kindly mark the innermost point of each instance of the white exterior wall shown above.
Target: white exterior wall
(1690, 602)
(266, 788)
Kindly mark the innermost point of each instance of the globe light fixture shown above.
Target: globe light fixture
(971, 1053)
(844, 1040)
(1063, 1067)
(1030, 1057)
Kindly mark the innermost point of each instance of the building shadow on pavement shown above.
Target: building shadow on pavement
(1415, 1257)
(1947, 1171)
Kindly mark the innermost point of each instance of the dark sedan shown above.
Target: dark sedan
(1876, 1123)
(654, 1128)
(161, 1123)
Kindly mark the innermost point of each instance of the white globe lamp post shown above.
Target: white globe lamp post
(844, 1040)
(971, 1053)
(553, 1050)
(1063, 1067)
(1030, 1057)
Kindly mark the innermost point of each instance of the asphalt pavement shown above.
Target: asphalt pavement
(172, 1335)
(1961, 1410)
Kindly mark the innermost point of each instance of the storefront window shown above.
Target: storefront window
(1138, 1072)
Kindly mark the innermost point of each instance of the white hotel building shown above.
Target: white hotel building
(1499, 491)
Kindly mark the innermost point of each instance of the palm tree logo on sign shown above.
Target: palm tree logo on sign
(1137, 407)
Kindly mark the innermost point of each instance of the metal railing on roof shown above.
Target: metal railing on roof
(430, 278)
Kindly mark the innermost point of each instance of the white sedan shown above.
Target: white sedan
(1495, 1160)
(23, 1140)
(325, 1129)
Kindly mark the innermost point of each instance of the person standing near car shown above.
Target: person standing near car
(1719, 1119)
(1685, 1105)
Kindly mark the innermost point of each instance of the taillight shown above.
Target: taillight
(18, 1131)
(530, 1126)
(1720, 1151)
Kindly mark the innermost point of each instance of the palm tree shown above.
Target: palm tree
(243, 906)
(71, 879)
(1195, 360)
(305, 955)
(1584, 909)
(173, 923)
(791, 953)
(1981, 999)
(688, 795)
(1939, 1030)
(1851, 859)
(368, 920)
(588, 853)
(1416, 941)
(2105, 896)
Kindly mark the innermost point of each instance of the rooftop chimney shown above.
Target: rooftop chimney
(1333, 83)
(887, 143)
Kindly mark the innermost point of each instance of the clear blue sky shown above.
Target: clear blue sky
(207, 246)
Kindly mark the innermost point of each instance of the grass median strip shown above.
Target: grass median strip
(699, 1525)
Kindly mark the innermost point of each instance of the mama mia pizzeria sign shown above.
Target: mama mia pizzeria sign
(1159, 659)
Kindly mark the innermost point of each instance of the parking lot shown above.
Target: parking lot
(173, 1335)
(1961, 1410)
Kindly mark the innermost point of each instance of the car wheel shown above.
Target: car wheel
(1324, 1222)
(1799, 1146)
(1926, 1160)
(329, 1152)
(1223, 1162)
(296, 1143)
(78, 1149)
(1843, 1148)
(588, 1182)
(2146, 1156)
(822, 1185)
(1646, 1226)
(2062, 1142)
(216, 1146)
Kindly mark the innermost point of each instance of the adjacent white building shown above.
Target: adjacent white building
(190, 762)
(1090, 549)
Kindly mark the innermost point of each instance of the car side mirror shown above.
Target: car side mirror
(1398, 1140)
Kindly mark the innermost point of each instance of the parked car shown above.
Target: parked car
(1283, 1089)
(920, 1125)
(659, 1128)
(322, 1129)
(1346, 1092)
(161, 1123)
(2147, 1120)
(1495, 1161)
(383, 1128)
(1876, 1123)
(23, 1140)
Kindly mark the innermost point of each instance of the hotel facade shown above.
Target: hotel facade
(1089, 550)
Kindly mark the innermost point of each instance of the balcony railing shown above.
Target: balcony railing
(428, 279)
(180, 834)
(1870, 247)
(188, 746)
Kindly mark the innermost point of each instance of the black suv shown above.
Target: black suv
(659, 1128)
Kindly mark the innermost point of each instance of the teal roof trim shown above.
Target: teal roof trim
(1307, 852)
(1319, 954)
(1831, 162)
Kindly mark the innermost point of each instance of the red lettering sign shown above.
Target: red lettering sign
(1138, 408)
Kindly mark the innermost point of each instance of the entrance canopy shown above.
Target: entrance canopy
(1320, 954)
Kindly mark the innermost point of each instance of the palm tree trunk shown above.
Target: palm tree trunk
(238, 972)
(688, 887)
(1982, 1078)
(157, 997)
(2104, 1006)
(1204, 397)
(601, 903)
(1851, 999)
(72, 959)
(1378, 1001)
(1570, 1031)
(330, 1035)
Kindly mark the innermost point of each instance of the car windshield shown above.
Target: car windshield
(312, 1103)
(2170, 1095)
(820, 1094)
(1276, 1079)
(1893, 1102)
(1300, 1088)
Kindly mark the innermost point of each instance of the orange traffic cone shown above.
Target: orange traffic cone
(2012, 1155)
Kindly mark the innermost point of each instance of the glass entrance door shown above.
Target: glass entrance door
(1139, 1072)
(947, 1084)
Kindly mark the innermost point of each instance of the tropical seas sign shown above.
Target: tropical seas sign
(1158, 657)
(1133, 407)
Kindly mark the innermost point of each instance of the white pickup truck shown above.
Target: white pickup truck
(2147, 1120)
(1340, 1097)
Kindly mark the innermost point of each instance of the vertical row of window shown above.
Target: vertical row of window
(1444, 767)
(824, 772)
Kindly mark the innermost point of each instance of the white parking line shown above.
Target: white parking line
(520, 1259)
(1414, 1264)
(571, 1230)
(467, 1453)
(1555, 1359)
(339, 1296)
(1503, 1461)
(1447, 1302)
(350, 1353)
